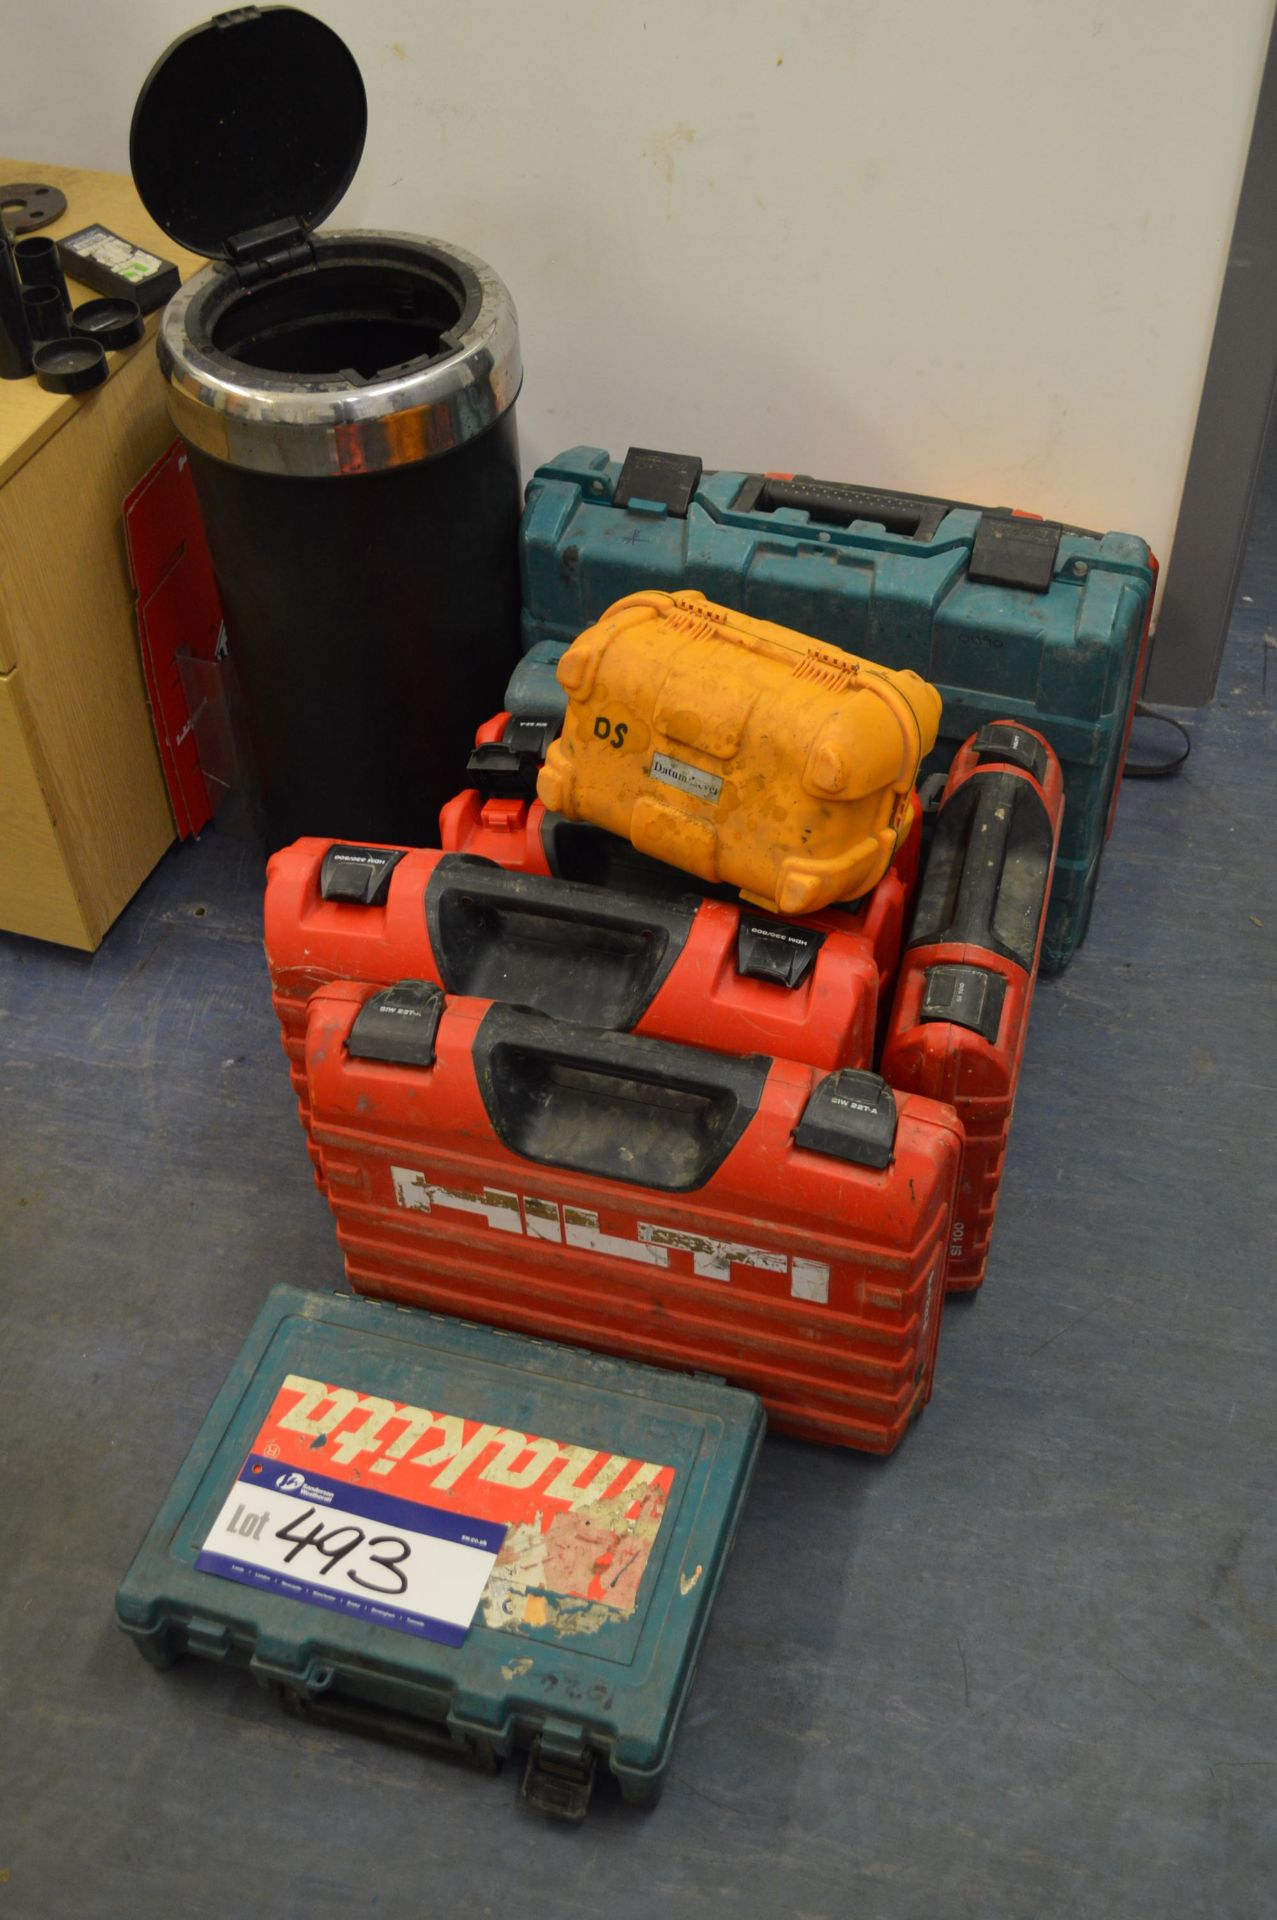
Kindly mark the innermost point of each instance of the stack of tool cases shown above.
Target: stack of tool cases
(647, 1135)
(1009, 616)
(645, 1124)
(652, 1121)
(646, 1163)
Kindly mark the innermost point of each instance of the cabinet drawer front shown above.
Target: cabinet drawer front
(37, 895)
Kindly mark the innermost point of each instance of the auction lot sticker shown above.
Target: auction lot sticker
(397, 1514)
(353, 1550)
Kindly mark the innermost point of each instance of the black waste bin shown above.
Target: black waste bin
(347, 400)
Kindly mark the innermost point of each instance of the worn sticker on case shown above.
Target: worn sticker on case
(648, 1245)
(687, 778)
(414, 1519)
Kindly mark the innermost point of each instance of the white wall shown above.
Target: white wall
(968, 248)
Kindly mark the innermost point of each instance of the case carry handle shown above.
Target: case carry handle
(348, 1714)
(835, 503)
(985, 881)
(1009, 549)
(569, 950)
(650, 1113)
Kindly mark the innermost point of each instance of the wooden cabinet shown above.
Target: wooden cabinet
(84, 813)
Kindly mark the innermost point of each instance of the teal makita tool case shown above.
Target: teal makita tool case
(452, 1537)
(1008, 616)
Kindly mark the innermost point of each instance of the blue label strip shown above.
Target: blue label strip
(350, 1606)
(366, 1503)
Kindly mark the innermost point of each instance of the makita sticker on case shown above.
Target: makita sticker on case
(574, 1523)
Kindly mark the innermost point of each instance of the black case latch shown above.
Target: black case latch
(507, 769)
(399, 1025)
(777, 951)
(501, 772)
(358, 874)
(668, 480)
(969, 997)
(532, 733)
(558, 1786)
(1002, 740)
(1010, 551)
(850, 1116)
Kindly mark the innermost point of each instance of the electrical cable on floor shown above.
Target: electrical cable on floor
(1159, 769)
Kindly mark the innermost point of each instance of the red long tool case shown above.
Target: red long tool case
(961, 1010)
(740, 1215)
(680, 968)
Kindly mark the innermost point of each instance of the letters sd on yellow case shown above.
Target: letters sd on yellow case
(738, 750)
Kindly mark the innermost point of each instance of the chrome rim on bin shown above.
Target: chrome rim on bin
(336, 422)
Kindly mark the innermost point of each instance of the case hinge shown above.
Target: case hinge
(264, 252)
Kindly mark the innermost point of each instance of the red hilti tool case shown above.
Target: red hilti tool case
(743, 1216)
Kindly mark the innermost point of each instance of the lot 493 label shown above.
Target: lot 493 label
(356, 1551)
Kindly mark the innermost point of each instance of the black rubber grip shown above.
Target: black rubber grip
(834, 503)
(567, 949)
(649, 1113)
(1009, 550)
(985, 881)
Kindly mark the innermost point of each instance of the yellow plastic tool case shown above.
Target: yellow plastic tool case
(738, 750)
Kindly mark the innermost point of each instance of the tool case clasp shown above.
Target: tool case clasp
(559, 1777)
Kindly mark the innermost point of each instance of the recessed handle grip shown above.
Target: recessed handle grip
(650, 1113)
(570, 950)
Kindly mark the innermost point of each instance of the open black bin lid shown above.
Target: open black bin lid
(256, 117)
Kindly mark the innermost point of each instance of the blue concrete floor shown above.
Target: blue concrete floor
(1026, 1668)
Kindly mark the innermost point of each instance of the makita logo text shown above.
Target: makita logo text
(369, 1434)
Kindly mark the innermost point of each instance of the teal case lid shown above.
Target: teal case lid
(1064, 659)
(620, 1488)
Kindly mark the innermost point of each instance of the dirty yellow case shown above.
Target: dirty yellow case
(738, 750)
